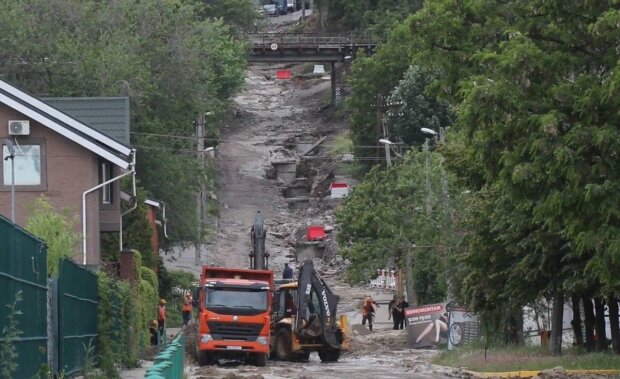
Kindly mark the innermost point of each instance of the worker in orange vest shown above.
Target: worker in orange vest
(161, 318)
(187, 308)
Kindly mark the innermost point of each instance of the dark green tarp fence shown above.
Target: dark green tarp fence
(77, 316)
(23, 267)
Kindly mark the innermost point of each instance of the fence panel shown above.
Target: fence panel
(77, 315)
(23, 267)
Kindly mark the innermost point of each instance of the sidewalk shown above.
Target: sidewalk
(140, 372)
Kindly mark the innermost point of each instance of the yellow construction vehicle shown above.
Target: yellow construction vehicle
(304, 319)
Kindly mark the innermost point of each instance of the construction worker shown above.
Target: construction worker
(368, 311)
(187, 308)
(161, 318)
(287, 273)
(154, 333)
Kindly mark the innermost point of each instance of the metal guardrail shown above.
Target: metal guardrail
(310, 40)
(170, 362)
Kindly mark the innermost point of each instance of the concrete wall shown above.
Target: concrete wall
(71, 169)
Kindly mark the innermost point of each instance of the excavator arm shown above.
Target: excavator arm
(314, 321)
(259, 258)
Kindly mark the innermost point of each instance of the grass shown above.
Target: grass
(342, 144)
(518, 358)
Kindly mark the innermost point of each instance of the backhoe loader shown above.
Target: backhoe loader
(304, 319)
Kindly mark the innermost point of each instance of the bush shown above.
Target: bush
(56, 229)
(125, 311)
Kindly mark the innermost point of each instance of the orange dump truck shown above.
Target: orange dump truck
(233, 318)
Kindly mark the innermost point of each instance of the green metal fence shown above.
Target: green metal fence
(23, 267)
(77, 316)
(170, 362)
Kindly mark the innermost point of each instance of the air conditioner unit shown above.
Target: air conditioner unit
(19, 127)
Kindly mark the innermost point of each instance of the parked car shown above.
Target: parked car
(290, 5)
(271, 10)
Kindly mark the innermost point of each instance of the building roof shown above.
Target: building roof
(109, 115)
(69, 127)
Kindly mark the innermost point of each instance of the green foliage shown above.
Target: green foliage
(419, 109)
(149, 298)
(369, 78)
(377, 16)
(239, 14)
(521, 358)
(10, 332)
(137, 232)
(535, 89)
(107, 327)
(182, 279)
(173, 64)
(88, 365)
(413, 203)
(56, 229)
(125, 311)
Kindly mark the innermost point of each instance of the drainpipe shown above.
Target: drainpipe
(164, 219)
(130, 172)
(135, 196)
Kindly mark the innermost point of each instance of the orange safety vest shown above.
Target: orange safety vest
(161, 312)
(367, 308)
(187, 306)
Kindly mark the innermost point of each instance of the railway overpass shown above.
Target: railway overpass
(303, 47)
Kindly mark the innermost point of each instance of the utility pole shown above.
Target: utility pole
(411, 297)
(200, 155)
(379, 123)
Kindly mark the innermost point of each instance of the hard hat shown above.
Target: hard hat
(162, 301)
(153, 322)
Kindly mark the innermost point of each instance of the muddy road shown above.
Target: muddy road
(269, 114)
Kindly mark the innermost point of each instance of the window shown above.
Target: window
(29, 165)
(106, 191)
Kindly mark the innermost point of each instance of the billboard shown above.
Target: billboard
(463, 327)
(427, 325)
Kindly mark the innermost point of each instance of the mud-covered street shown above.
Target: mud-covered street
(269, 115)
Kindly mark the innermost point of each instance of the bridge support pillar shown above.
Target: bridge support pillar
(333, 78)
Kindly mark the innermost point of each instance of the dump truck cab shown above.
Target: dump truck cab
(233, 318)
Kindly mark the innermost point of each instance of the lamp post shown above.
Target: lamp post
(387, 143)
(11, 156)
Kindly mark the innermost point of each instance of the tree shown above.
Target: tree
(413, 203)
(56, 229)
(418, 109)
(372, 80)
(171, 62)
(536, 88)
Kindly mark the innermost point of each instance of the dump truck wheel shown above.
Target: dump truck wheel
(329, 355)
(204, 359)
(283, 345)
(260, 359)
(302, 356)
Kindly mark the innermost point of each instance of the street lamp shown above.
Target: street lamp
(386, 143)
(11, 156)
(428, 131)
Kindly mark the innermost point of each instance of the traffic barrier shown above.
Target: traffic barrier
(316, 233)
(170, 362)
(284, 74)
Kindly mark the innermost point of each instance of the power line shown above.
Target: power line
(219, 140)
(317, 157)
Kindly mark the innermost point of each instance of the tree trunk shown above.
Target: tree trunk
(588, 316)
(514, 326)
(557, 317)
(614, 324)
(599, 324)
(576, 322)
